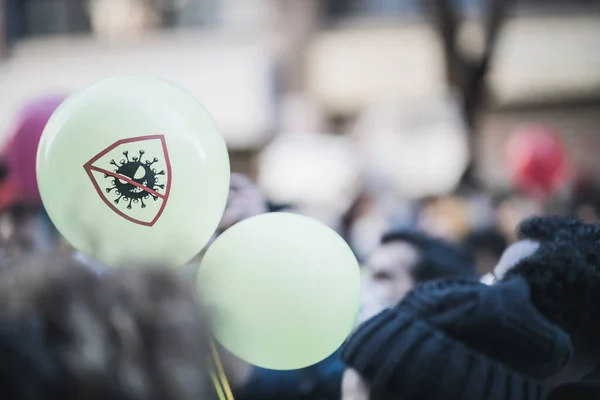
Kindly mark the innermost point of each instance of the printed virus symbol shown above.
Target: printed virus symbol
(137, 176)
(134, 185)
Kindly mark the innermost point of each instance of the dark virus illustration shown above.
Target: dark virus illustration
(138, 182)
(135, 186)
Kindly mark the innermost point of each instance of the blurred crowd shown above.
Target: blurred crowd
(466, 295)
(480, 277)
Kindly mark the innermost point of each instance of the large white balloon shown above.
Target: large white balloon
(133, 168)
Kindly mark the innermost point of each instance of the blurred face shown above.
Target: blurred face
(587, 213)
(18, 234)
(387, 277)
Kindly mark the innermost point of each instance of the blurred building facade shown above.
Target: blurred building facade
(243, 58)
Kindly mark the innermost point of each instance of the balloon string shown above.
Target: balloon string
(217, 385)
(221, 371)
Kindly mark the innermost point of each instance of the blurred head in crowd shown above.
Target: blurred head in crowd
(511, 210)
(446, 216)
(67, 333)
(245, 201)
(20, 201)
(559, 257)
(586, 205)
(403, 260)
(18, 229)
(363, 225)
(20, 151)
(486, 246)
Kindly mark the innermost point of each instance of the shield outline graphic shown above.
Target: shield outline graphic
(89, 167)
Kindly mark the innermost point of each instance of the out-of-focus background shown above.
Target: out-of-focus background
(365, 114)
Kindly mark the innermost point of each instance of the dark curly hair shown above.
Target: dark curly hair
(564, 273)
(131, 334)
(437, 258)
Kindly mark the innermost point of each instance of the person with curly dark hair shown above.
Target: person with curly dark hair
(560, 260)
(533, 334)
(559, 257)
(129, 334)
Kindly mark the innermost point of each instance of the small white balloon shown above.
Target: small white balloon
(421, 149)
(284, 290)
(311, 170)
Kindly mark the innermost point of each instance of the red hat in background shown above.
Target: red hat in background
(538, 161)
(19, 185)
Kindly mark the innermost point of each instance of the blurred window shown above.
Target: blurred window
(552, 6)
(545, 3)
(336, 9)
(29, 18)
(51, 17)
(341, 9)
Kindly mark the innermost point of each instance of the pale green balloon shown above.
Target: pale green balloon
(284, 290)
(176, 134)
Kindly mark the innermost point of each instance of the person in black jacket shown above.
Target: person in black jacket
(560, 259)
(540, 322)
(459, 339)
(563, 272)
(586, 389)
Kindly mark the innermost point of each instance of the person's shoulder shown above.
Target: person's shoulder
(586, 389)
(583, 390)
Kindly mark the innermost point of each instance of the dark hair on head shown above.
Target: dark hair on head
(564, 273)
(131, 334)
(4, 170)
(503, 196)
(485, 239)
(590, 197)
(437, 258)
(27, 368)
(19, 212)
